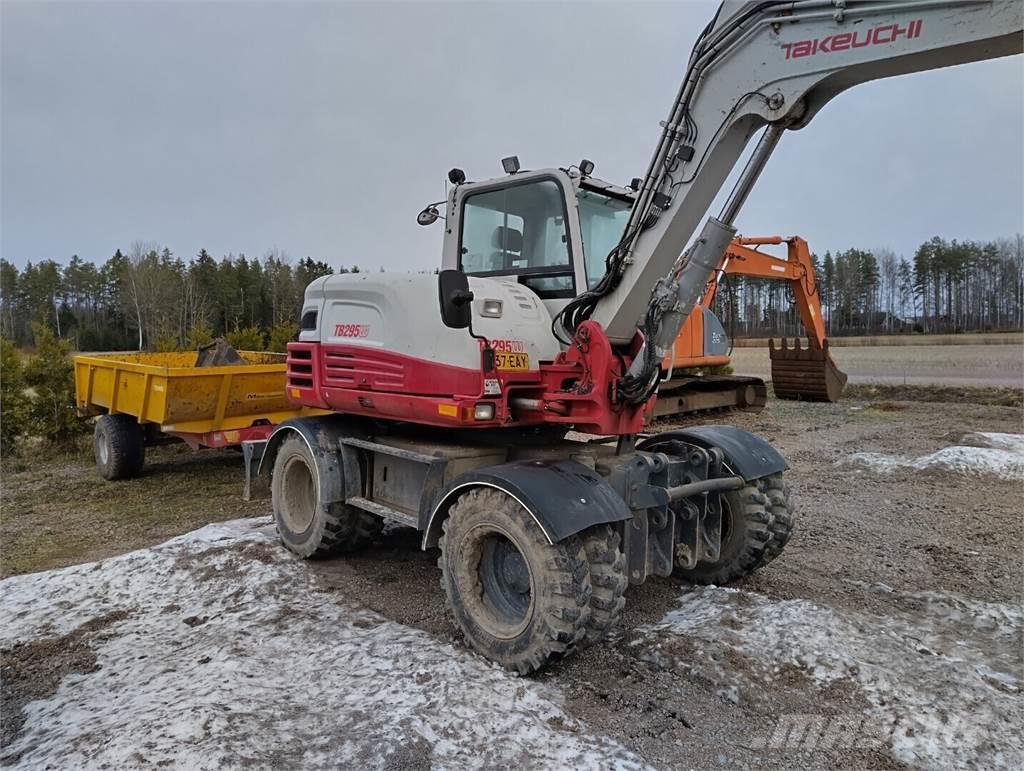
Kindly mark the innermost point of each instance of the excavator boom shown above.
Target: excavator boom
(773, 64)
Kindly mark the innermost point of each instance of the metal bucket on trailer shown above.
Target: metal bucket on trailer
(807, 374)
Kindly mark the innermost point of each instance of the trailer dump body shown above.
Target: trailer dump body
(145, 398)
(169, 390)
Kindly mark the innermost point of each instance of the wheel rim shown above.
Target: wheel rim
(299, 499)
(505, 579)
(727, 528)
(103, 449)
(503, 597)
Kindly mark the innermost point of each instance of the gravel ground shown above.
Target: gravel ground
(892, 619)
(866, 544)
(964, 365)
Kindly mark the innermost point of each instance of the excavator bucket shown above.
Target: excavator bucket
(806, 374)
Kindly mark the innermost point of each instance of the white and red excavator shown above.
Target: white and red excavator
(452, 397)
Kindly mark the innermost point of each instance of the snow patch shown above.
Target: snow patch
(1009, 442)
(942, 674)
(233, 655)
(981, 454)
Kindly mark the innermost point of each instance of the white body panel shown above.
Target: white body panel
(401, 313)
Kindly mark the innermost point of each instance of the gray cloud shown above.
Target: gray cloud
(321, 129)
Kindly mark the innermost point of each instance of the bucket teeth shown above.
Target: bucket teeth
(806, 374)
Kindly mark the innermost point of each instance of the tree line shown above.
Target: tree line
(945, 287)
(149, 298)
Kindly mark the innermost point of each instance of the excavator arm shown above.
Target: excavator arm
(741, 260)
(756, 64)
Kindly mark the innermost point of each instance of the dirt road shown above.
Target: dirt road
(888, 634)
(960, 365)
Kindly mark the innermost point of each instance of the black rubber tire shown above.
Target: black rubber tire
(118, 445)
(303, 525)
(557, 609)
(776, 488)
(746, 533)
(608, 580)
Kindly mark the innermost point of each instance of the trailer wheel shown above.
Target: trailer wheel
(118, 445)
(746, 534)
(607, 578)
(517, 599)
(304, 526)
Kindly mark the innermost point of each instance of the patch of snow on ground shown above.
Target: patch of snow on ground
(1010, 442)
(981, 454)
(943, 674)
(232, 655)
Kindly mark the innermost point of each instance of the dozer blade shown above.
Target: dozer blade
(686, 395)
(806, 374)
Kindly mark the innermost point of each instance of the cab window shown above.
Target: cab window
(602, 222)
(519, 230)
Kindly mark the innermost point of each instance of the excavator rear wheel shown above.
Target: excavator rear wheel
(518, 600)
(756, 524)
(304, 526)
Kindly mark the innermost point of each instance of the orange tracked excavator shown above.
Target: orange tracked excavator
(804, 373)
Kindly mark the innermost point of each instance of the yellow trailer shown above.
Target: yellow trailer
(140, 396)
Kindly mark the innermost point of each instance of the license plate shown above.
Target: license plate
(518, 361)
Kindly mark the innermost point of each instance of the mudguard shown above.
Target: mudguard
(748, 455)
(335, 463)
(563, 497)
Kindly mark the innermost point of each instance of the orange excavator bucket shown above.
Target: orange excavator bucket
(806, 374)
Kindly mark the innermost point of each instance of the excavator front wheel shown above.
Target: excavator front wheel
(757, 521)
(603, 547)
(517, 599)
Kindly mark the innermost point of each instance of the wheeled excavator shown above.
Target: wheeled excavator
(454, 398)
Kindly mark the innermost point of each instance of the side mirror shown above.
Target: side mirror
(456, 299)
(428, 216)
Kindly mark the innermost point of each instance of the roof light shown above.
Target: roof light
(510, 164)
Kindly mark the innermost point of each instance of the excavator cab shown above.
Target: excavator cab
(548, 230)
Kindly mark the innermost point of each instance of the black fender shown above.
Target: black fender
(337, 466)
(563, 497)
(746, 454)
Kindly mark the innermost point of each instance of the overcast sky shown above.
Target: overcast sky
(322, 129)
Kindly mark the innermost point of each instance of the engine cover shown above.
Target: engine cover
(399, 313)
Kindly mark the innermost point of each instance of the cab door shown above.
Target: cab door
(523, 228)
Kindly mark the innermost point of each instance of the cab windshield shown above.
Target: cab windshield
(602, 220)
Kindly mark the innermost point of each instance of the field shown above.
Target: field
(960, 365)
(894, 615)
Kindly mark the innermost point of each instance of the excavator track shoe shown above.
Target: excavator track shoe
(805, 374)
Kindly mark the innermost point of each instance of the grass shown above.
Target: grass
(57, 510)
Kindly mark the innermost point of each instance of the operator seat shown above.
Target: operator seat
(509, 245)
